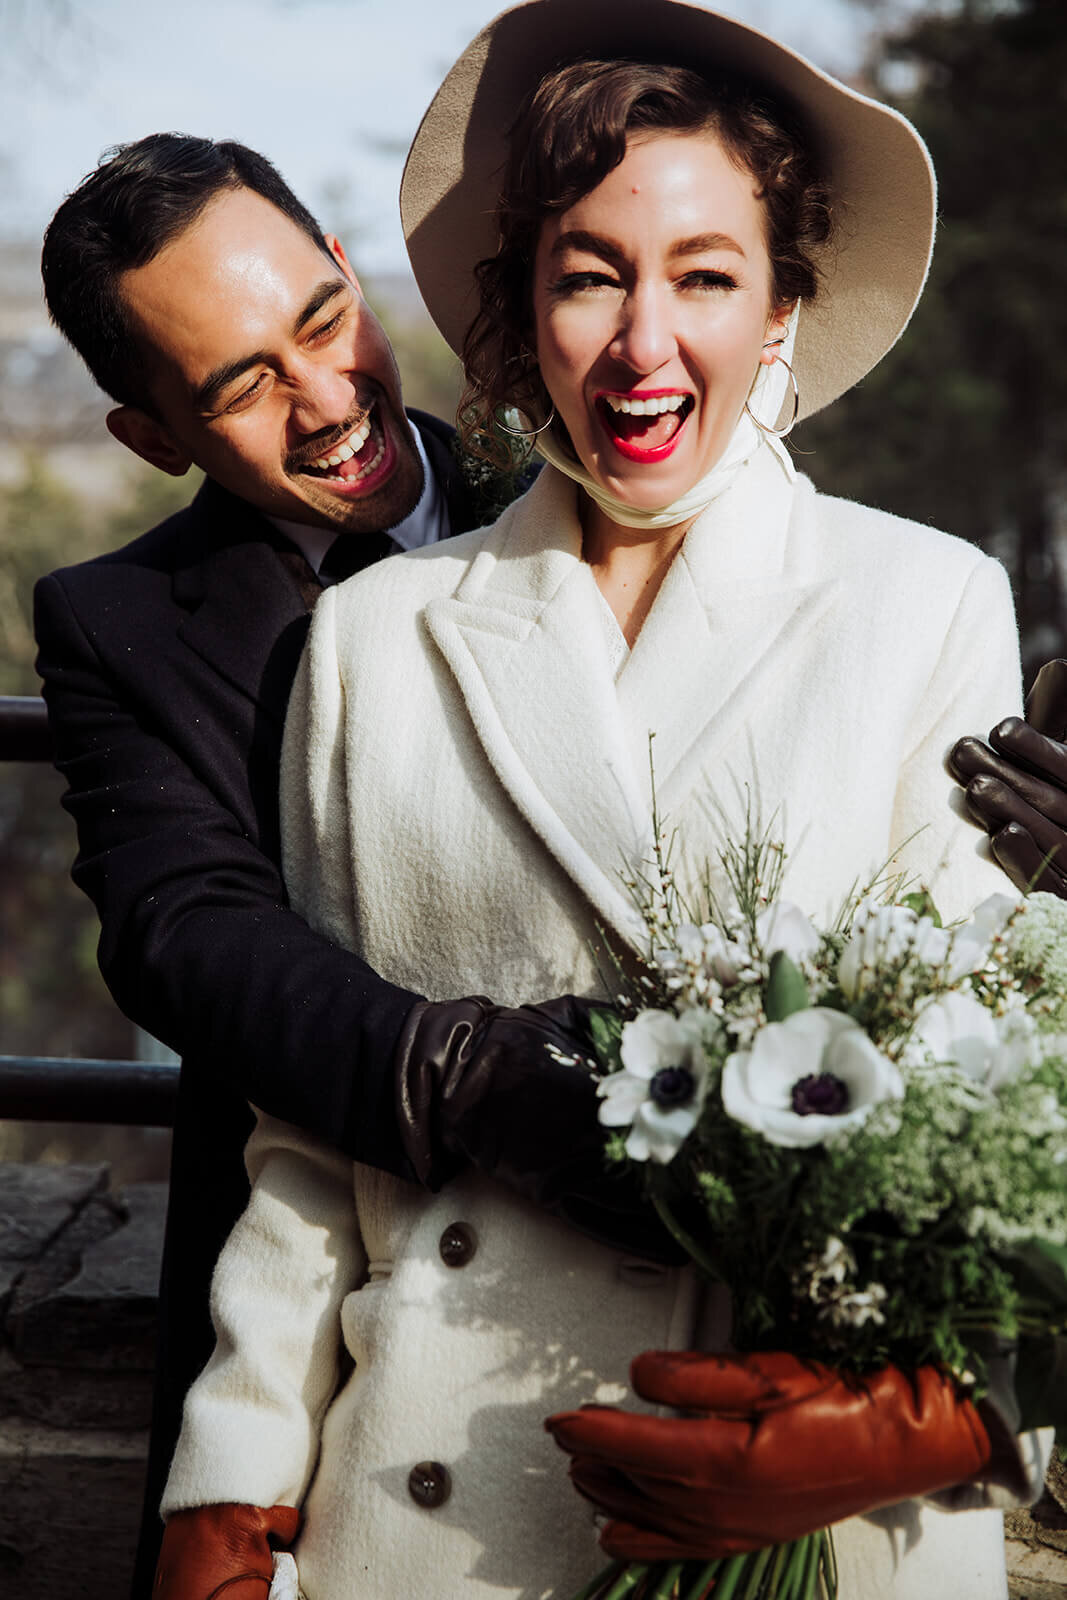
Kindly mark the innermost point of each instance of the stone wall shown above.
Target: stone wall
(78, 1272)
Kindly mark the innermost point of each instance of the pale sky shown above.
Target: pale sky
(331, 90)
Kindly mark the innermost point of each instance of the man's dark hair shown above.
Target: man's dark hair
(140, 197)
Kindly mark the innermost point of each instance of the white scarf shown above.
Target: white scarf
(765, 397)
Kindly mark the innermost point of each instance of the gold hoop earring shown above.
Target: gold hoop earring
(525, 433)
(779, 433)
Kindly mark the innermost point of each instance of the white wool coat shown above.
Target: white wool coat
(464, 783)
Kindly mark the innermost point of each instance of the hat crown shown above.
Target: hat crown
(875, 164)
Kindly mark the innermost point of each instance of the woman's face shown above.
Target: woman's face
(652, 304)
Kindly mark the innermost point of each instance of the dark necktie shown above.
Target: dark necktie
(351, 552)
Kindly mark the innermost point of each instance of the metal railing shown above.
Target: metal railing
(24, 732)
(59, 1088)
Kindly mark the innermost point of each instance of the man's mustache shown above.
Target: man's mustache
(320, 444)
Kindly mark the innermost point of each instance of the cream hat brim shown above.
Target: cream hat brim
(877, 167)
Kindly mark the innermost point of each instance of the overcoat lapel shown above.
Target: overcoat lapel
(729, 625)
(246, 617)
(523, 638)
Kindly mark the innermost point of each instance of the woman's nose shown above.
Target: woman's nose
(644, 339)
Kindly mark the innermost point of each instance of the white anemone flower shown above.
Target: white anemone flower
(972, 942)
(660, 1091)
(783, 926)
(707, 946)
(882, 936)
(813, 1077)
(956, 1030)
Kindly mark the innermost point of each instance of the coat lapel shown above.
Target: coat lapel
(245, 616)
(726, 629)
(523, 636)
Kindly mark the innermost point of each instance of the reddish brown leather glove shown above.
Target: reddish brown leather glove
(221, 1551)
(1016, 786)
(772, 1448)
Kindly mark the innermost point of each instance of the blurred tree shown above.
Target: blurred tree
(52, 999)
(964, 425)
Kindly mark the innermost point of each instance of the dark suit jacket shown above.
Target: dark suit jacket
(166, 668)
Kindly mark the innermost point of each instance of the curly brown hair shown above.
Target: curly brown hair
(569, 135)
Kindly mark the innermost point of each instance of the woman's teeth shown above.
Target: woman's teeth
(654, 406)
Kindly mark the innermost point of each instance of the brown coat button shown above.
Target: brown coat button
(457, 1244)
(429, 1484)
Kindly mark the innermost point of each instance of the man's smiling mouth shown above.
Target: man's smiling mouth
(354, 457)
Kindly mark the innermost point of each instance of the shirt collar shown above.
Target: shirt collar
(425, 524)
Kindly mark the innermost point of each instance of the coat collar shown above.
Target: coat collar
(523, 638)
(245, 613)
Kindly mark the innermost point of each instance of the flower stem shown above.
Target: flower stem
(733, 1572)
(828, 1566)
(598, 1584)
(628, 1579)
(759, 1565)
(667, 1586)
(706, 1580)
(689, 1244)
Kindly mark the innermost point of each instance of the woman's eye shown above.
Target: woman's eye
(708, 279)
(580, 282)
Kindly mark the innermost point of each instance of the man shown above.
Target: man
(233, 335)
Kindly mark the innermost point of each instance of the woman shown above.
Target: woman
(663, 254)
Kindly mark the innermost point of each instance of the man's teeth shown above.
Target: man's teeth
(364, 471)
(344, 452)
(652, 407)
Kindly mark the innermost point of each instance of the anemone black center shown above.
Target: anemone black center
(672, 1086)
(820, 1093)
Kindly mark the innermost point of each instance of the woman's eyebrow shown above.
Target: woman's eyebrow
(705, 241)
(595, 244)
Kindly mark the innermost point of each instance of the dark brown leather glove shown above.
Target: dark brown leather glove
(771, 1448)
(222, 1552)
(1017, 789)
(478, 1085)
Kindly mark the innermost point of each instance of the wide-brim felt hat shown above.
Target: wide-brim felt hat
(878, 170)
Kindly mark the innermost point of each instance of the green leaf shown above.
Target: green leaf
(1041, 1381)
(1039, 1270)
(786, 990)
(606, 1029)
(921, 902)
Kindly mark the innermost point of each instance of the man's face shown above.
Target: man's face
(268, 370)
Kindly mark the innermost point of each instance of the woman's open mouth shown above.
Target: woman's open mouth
(647, 424)
(360, 461)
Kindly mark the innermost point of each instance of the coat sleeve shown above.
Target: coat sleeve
(199, 944)
(251, 1425)
(975, 683)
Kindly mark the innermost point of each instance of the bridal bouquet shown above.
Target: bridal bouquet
(861, 1130)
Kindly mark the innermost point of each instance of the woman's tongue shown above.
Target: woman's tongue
(647, 433)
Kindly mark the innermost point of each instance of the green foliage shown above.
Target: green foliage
(52, 998)
(786, 990)
(964, 424)
(922, 903)
(606, 1030)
